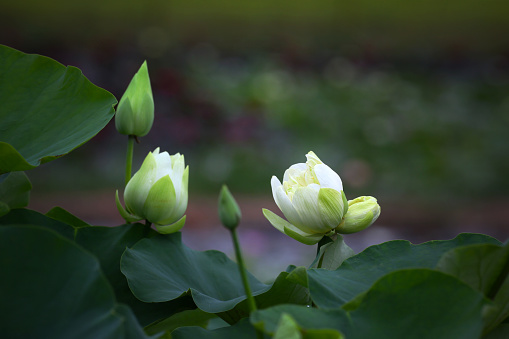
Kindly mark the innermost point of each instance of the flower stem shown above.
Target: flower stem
(146, 231)
(129, 158)
(242, 268)
(240, 261)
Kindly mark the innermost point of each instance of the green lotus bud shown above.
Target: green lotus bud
(362, 213)
(312, 199)
(135, 111)
(158, 192)
(229, 211)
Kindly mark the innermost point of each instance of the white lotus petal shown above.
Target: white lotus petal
(163, 161)
(312, 159)
(300, 167)
(274, 184)
(286, 206)
(177, 171)
(328, 178)
(305, 201)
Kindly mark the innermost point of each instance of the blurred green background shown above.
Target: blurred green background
(407, 100)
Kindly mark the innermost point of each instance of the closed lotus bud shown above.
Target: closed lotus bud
(362, 213)
(158, 192)
(135, 111)
(312, 199)
(229, 211)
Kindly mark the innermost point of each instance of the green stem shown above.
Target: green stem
(242, 268)
(146, 231)
(240, 261)
(129, 158)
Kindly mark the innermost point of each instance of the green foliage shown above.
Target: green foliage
(29, 217)
(330, 289)
(52, 288)
(58, 213)
(210, 277)
(194, 317)
(332, 254)
(47, 109)
(485, 267)
(242, 329)
(63, 278)
(413, 303)
(14, 191)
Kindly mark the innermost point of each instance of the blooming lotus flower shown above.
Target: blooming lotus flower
(362, 213)
(158, 192)
(135, 111)
(312, 199)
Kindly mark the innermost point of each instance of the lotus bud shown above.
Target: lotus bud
(362, 212)
(312, 199)
(229, 211)
(158, 192)
(135, 111)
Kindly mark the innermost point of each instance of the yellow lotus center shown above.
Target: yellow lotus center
(297, 179)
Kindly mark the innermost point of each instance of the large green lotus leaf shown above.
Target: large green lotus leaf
(288, 328)
(108, 244)
(331, 289)
(282, 291)
(58, 213)
(14, 191)
(412, 303)
(194, 317)
(28, 217)
(161, 268)
(501, 332)
(243, 329)
(52, 288)
(485, 267)
(47, 109)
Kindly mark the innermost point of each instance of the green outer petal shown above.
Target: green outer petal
(138, 187)
(308, 239)
(330, 203)
(124, 117)
(145, 119)
(292, 231)
(160, 202)
(362, 213)
(167, 229)
(354, 225)
(126, 215)
(305, 201)
(275, 220)
(182, 195)
(345, 203)
(229, 211)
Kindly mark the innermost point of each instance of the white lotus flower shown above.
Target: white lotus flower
(158, 192)
(312, 199)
